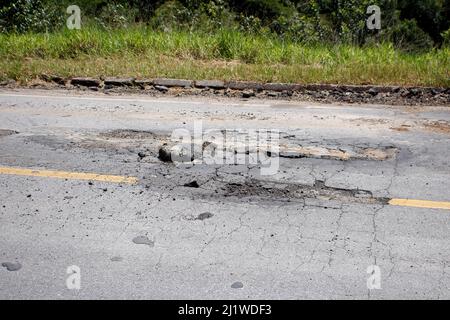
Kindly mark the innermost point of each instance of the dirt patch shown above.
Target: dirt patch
(370, 121)
(438, 126)
(7, 132)
(342, 154)
(378, 154)
(94, 144)
(312, 152)
(402, 128)
(129, 134)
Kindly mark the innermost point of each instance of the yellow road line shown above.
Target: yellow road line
(420, 203)
(67, 175)
(132, 180)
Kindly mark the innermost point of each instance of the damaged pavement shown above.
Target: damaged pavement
(194, 230)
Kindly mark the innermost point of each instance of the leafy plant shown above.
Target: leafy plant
(446, 38)
(26, 15)
(115, 15)
(409, 37)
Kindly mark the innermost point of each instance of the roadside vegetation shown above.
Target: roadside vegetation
(267, 40)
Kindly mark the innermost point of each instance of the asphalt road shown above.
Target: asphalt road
(357, 187)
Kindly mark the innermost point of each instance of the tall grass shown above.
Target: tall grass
(228, 54)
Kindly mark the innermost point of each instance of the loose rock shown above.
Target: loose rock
(164, 153)
(141, 155)
(248, 94)
(237, 285)
(144, 240)
(162, 88)
(205, 215)
(12, 266)
(85, 82)
(192, 184)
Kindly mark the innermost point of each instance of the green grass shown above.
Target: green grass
(226, 55)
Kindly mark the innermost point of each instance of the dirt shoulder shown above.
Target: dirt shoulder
(323, 93)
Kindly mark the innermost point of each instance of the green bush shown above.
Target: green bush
(207, 16)
(409, 37)
(214, 15)
(266, 10)
(251, 24)
(172, 15)
(446, 38)
(27, 15)
(432, 16)
(116, 15)
(411, 25)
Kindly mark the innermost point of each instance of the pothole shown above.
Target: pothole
(286, 191)
(238, 144)
(230, 151)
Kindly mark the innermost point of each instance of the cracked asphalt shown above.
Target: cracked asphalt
(193, 231)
